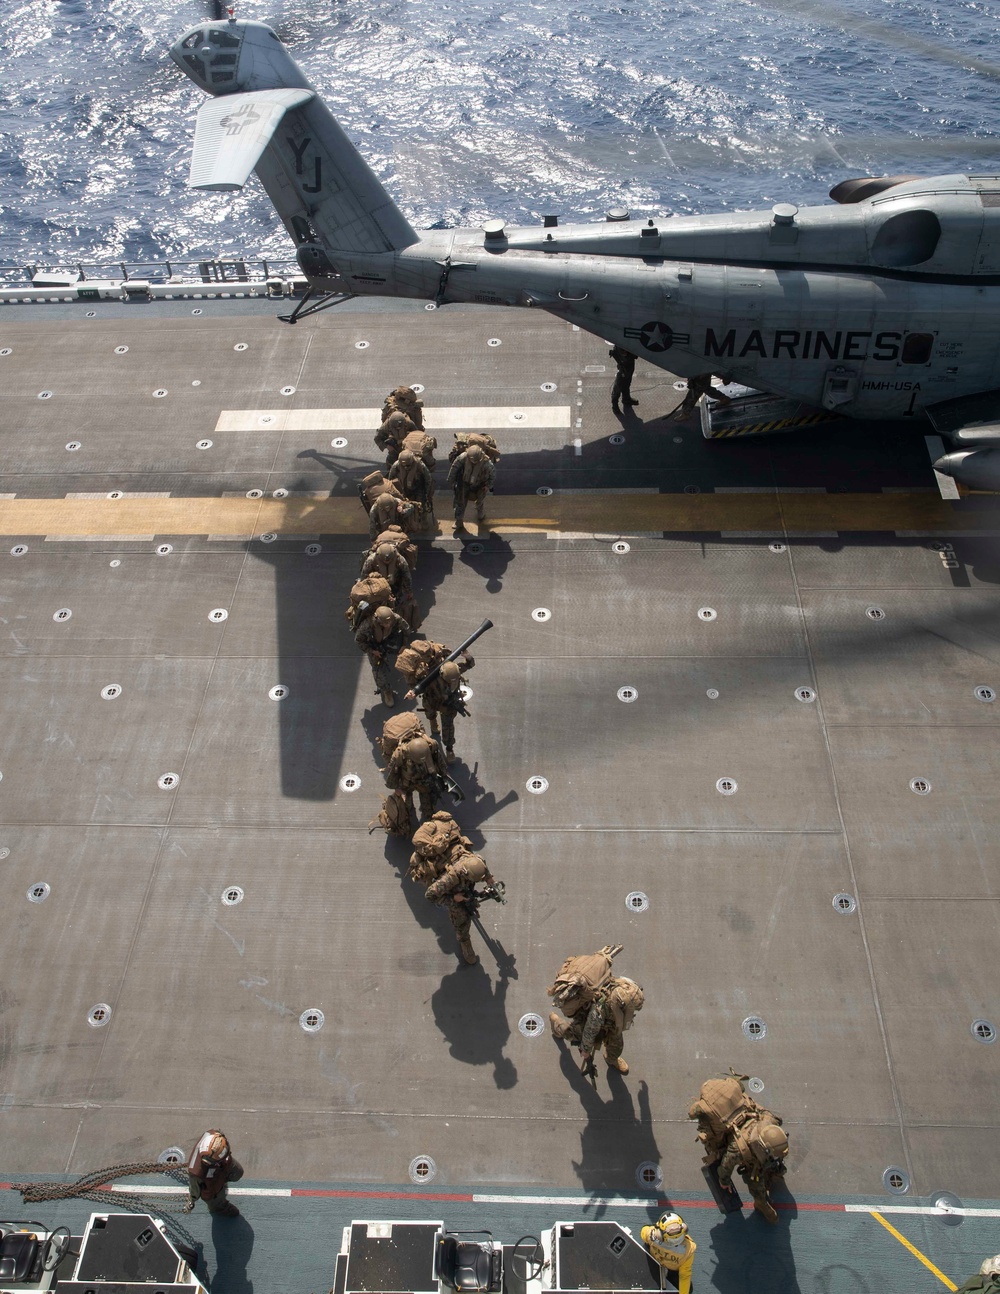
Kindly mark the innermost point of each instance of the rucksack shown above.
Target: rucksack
(418, 659)
(395, 817)
(580, 980)
(401, 541)
(371, 486)
(438, 835)
(475, 474)
(486, 442)
(399, 728)
(724, 1106)
(419, 443)
(372, 589)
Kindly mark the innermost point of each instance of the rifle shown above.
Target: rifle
(418, 688)
(446, 785)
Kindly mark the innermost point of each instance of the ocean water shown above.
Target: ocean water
(470, 109)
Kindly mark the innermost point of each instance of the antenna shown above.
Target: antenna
(231, 10)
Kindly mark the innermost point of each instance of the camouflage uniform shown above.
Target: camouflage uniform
(442, 700)
(604, 1023)
(380, 636)
(986, 1281)
(472, 465)
(418, 765)
(453, 876)
(413, 480)
(404, 399)
(389, 510)
(396, 426)
(622, 389)
(761, 1169)
(390, 563)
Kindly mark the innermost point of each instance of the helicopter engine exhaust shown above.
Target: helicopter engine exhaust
(976, 469)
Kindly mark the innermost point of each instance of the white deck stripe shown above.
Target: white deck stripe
(609, 1201)
(459, 418)
(273, 1192)
(923, 1209)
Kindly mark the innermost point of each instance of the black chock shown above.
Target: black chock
(728, 1201)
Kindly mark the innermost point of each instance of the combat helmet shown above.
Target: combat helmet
(475, 453)
(450, 674)
(384, 617)
(770, 1142)
(625, 999)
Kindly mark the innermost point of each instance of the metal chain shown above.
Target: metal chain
(93, 1186)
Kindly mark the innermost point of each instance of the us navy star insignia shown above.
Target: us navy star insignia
(656, 336)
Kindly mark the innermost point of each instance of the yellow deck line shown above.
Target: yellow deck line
(580, 513)
(914, 1251)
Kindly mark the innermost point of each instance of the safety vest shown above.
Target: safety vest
(679, 1260)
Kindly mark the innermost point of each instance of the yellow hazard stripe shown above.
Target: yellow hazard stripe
(755, 429)
(587, 512)
(914, 1251)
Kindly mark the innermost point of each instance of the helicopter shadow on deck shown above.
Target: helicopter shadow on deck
(318, 659)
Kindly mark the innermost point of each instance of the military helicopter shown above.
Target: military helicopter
(883, 305)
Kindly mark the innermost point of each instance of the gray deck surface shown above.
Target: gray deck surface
(869, 1053)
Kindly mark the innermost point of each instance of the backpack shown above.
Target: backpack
(475, 474)
(402, 543)
(724, 1106)
(463, 439)
(372, 589)
(399, 728)
(395, 817)
(437, 836)
(419, 443)
(418, 659)
(372, 485)
(580, 980)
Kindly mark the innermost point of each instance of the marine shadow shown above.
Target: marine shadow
(754, 1255)
(618, 1135)
(233, 1239)
(470, 1010)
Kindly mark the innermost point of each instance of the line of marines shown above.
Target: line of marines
(596, 1006)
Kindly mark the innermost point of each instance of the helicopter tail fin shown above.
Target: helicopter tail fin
(328, 197)
(233, 131)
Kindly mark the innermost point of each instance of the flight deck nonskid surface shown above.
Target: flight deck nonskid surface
(869, 1051)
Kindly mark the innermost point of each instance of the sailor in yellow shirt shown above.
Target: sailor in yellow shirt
(672, 1247)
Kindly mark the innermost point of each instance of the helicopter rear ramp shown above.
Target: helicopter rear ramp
(755, 413)
(739, 712)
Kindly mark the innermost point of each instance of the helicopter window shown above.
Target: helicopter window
(223, 39)
(218, 77)
(907, 238)
(192, 41)
(224, 60)
(917, 348)
(195, 65)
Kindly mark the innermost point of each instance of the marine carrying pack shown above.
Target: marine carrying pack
(372, 485)
(438, 835)
(400, 540)
(724, 1106)
(399, 728)
(418, 659)
(486, 442)
(423, 446)
(372, 589)
(581, 978)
